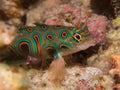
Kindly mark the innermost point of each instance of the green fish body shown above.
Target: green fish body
(50, 41)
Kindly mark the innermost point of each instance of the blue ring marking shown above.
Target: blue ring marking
(50, 33)
(39, 35)
(24, 40)
(35, 43)
(40, 28)
(20, 29)
(35, 53)
(65, 43)
(32, 28)
(60, 34)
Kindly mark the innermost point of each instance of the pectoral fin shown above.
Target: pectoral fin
(57, 69)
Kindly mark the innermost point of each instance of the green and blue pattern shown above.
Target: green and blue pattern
(37, 40)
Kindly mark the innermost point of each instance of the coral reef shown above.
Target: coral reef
(102, 68)
(6, 33)
(110, 57)
(11, 8)
(117, 87)
(116, 22)
(115, 71)
(83, 85)
(115, 65)
(104, 56)
(116, 5)
(77, 78)
(12, 78)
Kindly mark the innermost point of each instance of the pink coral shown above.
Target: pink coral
(71, 15)
(66, 14)
(97, 27)
(83, 85)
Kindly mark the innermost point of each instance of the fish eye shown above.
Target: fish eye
(77, 37)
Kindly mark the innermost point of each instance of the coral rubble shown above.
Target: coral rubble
(116, 22)
(77, 78)
(11, 8)
(12, 78)
(6, 33)
(115, 64)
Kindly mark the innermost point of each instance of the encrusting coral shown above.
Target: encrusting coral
(115, 70)
(83, 85)
(115, 64)
(77, 78)
(116, 22)
(6, 34)
(11, 8)
(13, 78)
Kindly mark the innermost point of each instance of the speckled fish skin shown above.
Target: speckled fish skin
(44, 39)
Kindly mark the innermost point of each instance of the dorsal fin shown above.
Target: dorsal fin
(21, 28)
(39, 24)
